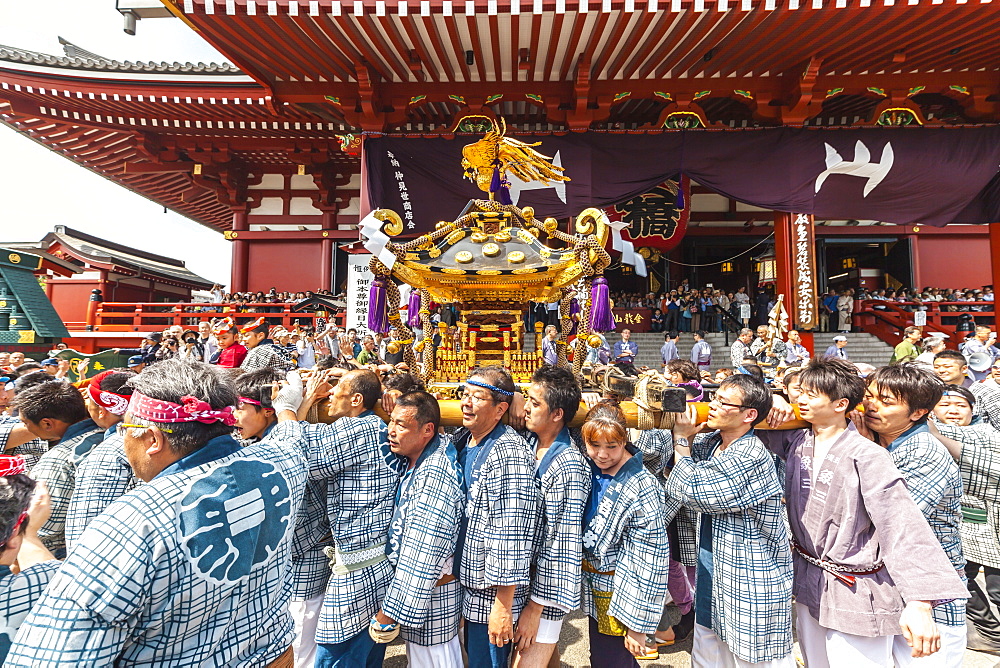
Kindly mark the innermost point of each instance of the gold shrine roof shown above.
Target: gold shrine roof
(492, 259)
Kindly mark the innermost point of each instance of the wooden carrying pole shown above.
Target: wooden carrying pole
(451, 414)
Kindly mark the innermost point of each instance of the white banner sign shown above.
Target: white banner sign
(920, 318)
(359, 279)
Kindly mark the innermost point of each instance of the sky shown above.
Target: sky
(40, 189)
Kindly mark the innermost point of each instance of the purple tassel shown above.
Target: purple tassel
(378, 316)
(504, 195)
(497, 182)
(680, 193)
(413, 309)
(601, 318)
(500, 188)
(574, 309)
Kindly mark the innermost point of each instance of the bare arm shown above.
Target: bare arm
(19, 435)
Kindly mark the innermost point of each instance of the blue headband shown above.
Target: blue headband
(487, 386)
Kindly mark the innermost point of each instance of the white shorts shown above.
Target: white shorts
(446, 655)
(825, 648)
(951, 654)
(305, 614)
(710, 652)
(548, 630)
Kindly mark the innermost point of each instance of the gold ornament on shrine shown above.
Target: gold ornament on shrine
(489, 263)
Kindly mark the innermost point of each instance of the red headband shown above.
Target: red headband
(246, 329)
(113, 403)
(244, 400)
(12, 465)
(191, 409)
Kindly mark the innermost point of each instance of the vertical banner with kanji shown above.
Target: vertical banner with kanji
(359, 279)
(803, 309)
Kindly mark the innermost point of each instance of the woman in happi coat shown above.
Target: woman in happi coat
(625, 547)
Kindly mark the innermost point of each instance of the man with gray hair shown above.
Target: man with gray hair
(740, 349)
(932, 345)
(190, 568)
(495, 540)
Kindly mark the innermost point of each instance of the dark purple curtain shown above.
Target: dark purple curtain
(930, 176)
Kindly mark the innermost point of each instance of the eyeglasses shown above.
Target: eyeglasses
(474, 397)
(719, 402)
(122, 426)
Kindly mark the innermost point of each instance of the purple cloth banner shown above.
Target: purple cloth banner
(930, 176)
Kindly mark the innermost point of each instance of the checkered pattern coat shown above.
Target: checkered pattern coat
(268, 354)
(31, 451)
(752, 560)
(193, 568)
(101, 478)
(310, 566)
(18, 593)
(981, 450)
(564, 477)
(626, 541)
(57, 469)
(987, 405)
(501, 513)
(935, 483)
(657, 446)
(352, 458)
(422, 540)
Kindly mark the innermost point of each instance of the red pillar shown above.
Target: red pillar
(995, 254)
(240, 274)
(784, 251)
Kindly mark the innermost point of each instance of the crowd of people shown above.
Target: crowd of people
(195, 513)
(196, 508)
(687, 309)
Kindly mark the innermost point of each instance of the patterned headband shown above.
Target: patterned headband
(487, 386)
(113, 403)
(191, 409)
(223, 326)
(12, 465)
(244, 400)
(246, 329)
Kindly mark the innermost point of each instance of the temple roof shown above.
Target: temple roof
(192, 136)
(16, 273)
(109, 255)
(87, 61)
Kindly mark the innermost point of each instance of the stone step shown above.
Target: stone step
(861, 347)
